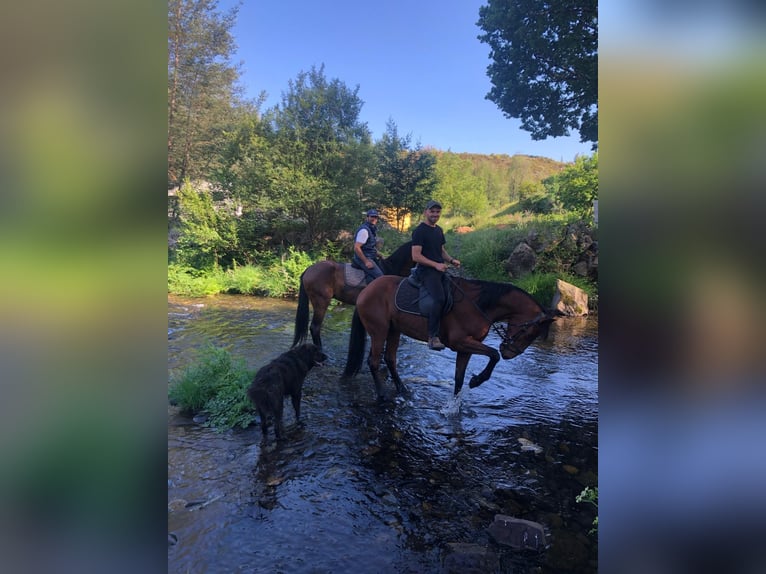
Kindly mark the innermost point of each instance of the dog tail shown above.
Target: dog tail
(301, 316)
(357, 341)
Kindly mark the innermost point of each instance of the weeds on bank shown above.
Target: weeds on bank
(214, 385)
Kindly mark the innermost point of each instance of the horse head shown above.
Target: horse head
(517, 337)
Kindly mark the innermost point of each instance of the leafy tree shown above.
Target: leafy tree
(462, 192)
(321, 161)
(206, 234)
(202, 91)
(407, 175)
(533, 198)
(576, 187)
(544, 68)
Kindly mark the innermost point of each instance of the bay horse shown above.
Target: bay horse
(325, 280)
(477, 307)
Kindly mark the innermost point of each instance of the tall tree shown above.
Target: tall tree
(321, 143)
(202, 86)
(407, 175)
(544, 68)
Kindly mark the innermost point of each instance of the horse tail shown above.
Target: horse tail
(301, 316)
(357, 341)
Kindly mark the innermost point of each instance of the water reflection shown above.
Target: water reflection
(384, 488)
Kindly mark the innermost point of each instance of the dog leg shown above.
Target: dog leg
(296, 399)
(278, 426)
(264, 426)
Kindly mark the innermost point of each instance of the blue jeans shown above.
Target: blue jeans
(432, 281)
(370, 274)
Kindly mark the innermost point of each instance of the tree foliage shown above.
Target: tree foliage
(207, 234)
(407, 176)
(202, 91)
(576, 187)
(321, 157)
(544, 68)
(462, 192)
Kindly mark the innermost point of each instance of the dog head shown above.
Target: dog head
(316, 357)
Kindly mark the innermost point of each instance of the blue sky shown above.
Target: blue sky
(418, 62)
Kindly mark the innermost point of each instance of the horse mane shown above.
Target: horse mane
(398, 259)
(491, 291)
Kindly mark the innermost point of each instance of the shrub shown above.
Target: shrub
(216, 385)
(191, 282)
(246, 280)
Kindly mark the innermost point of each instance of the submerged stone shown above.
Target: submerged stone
(518, 533)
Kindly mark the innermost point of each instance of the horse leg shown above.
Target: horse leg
(461, 364)
(392, 345)
(494, 358)
(320, 305)
(373, 361)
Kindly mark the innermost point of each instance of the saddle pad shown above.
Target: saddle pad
(407, 297)
(354, 277)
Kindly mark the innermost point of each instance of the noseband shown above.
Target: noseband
(509, 341)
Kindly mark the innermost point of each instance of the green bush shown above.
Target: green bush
(190, 282)
(247, 280)
(215, 385)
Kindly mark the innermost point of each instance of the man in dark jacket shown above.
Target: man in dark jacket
(365, 246)
(432, 258)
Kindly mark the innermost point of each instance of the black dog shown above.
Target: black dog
(282, 377)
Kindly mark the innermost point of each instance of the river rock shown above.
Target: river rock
(518, 533)
(570, 300)
(521, 261)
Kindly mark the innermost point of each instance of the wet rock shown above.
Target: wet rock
(569, 469)
(518, 533)
(528, 445)
(470, 559)
(570, 300)
(177, 504)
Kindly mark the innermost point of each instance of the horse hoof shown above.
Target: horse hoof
(474, 383)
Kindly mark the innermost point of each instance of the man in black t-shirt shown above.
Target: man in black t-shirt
(429, 253)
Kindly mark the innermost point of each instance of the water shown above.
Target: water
(372, 488)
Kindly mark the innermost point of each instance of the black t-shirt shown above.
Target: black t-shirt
(431, 240)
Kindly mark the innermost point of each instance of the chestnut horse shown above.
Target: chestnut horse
(325, 280)
(477, 307)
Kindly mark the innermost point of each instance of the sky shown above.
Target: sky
(418, 63)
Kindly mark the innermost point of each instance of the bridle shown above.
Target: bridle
(509, 342)
(500, 328)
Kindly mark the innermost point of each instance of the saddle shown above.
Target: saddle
(412, 297)
(353, 276)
